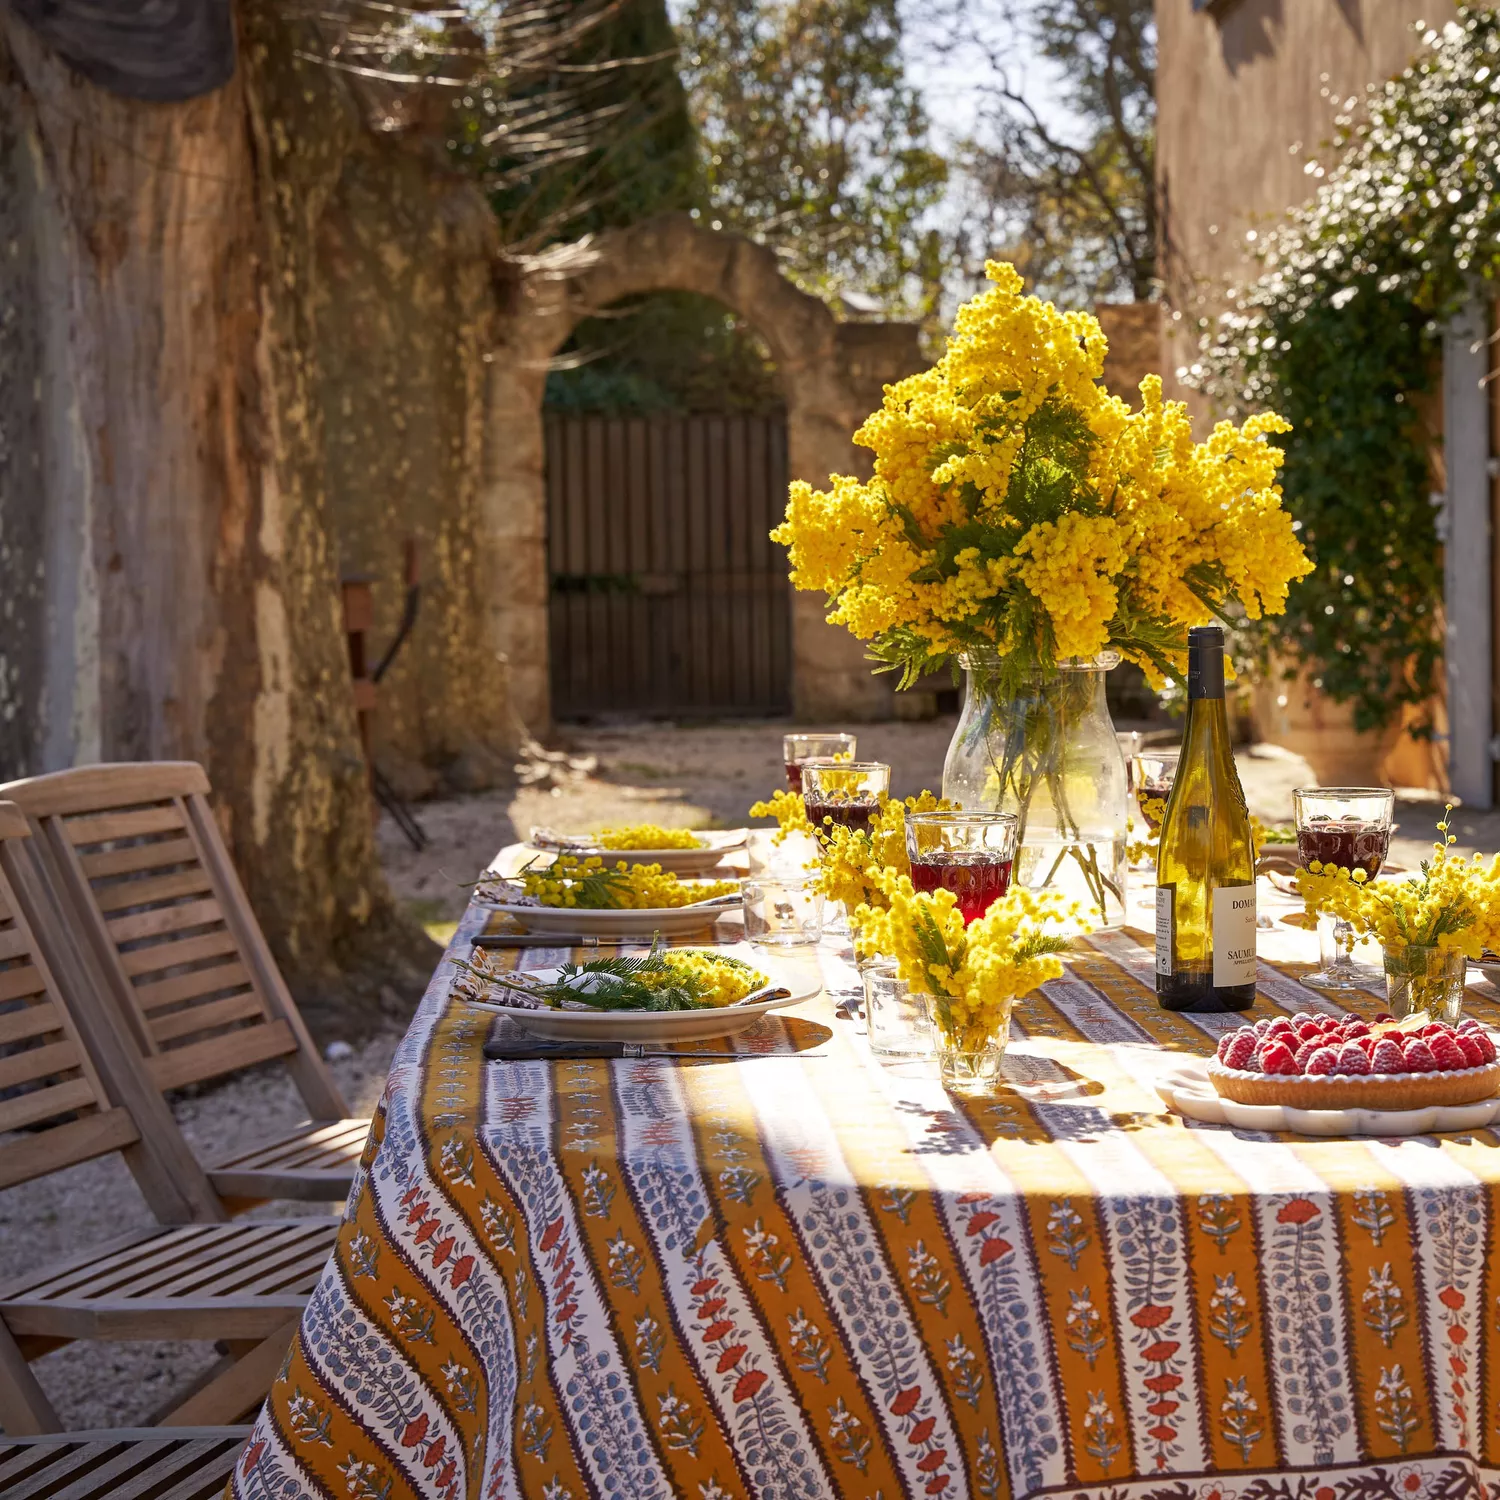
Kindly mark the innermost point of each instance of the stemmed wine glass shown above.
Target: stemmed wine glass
(798, 749)
(1350, 827)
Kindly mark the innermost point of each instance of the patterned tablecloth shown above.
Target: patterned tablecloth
(811, 1274)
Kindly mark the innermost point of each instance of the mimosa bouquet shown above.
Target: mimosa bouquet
(973, 975)
(1454, 904)
(1021, 513)
(790, 813)
(854, 865)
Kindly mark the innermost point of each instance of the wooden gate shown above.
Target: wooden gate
(667, 595)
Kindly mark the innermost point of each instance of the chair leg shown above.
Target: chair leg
(243, 1386)
(25, 1410)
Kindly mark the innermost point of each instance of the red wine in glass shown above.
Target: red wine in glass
(1345, 842)
(1156, 793)
(794, 775)
(976, 880)
(852, 812)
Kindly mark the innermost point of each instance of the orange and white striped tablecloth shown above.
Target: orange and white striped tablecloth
(808, 1273)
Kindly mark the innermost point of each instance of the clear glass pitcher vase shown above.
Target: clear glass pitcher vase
(1047, 752)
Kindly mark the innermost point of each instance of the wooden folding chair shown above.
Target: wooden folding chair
(139, 1463)
(243, 1283)
(142, 870)
(129, 1464)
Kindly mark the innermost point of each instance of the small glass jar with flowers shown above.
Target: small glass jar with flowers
(971, 975)
(1428, 926)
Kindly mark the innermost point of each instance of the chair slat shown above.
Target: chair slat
(34, 1063)
(162, 920)
(14, 941)
(195, 1018)
(107, 827)
(122, 894)
(29, 1020)
(23, 980)
(135, 857)
(199, 982)
(32, 1156)
(46, 1104)
(169, 955)
(221, 1054)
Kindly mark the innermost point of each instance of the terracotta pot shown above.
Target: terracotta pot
(1296, 715)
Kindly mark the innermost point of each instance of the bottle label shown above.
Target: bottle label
(1234, 935)
(1166, 927)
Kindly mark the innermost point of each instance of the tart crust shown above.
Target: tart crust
(1358, 1091)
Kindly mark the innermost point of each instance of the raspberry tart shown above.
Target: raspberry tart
(1342, 1062)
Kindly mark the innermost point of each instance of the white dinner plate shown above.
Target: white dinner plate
(717, 843)
(660, 1026)
(1187, 1090)
(669, 921)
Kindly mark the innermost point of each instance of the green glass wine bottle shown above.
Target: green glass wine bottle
(1205, 862)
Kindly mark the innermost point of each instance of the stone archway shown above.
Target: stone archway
(831, 373)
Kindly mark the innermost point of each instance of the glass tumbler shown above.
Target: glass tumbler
(797, 748)
(895, 1018)
(968, 853)
(782, 913)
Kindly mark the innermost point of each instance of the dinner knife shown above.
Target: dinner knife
(579, 940)
(503, 1052)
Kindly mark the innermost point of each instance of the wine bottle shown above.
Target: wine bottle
(1205, 861)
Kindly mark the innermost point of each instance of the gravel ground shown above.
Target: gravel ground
(691, 777)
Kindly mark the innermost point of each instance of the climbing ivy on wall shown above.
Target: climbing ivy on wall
(1342, 334)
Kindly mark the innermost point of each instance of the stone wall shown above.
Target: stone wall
(1246, 95)
(407, 315)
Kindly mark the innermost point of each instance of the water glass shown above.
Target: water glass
(1426, 981)
(799, 748)
(968, 853)
(782, 913)
(1130, 741)
(895, 1018)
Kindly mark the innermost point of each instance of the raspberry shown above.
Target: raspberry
(1354, 1028)
(1263, 1025)
(1323, 1061)
(1308, 1030)
(1470, 1024)
(1384, 1015)
(1486, 1045)
(1447, 1052)
(1277, 1058)
(1280, 1027)
(1432, 1029)
(1223, 1046)
(1387, 1058)
(1418, 1056)
(1304, 1051)
(1367, 1042)
(1304, 1015)
(1473, 1053)
(1352, 1059)
(1240, 1053)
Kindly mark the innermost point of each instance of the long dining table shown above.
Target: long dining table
(795, 1269)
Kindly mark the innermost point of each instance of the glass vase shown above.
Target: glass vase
(969, 1059)
(1426, 981)
(1041, 745)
